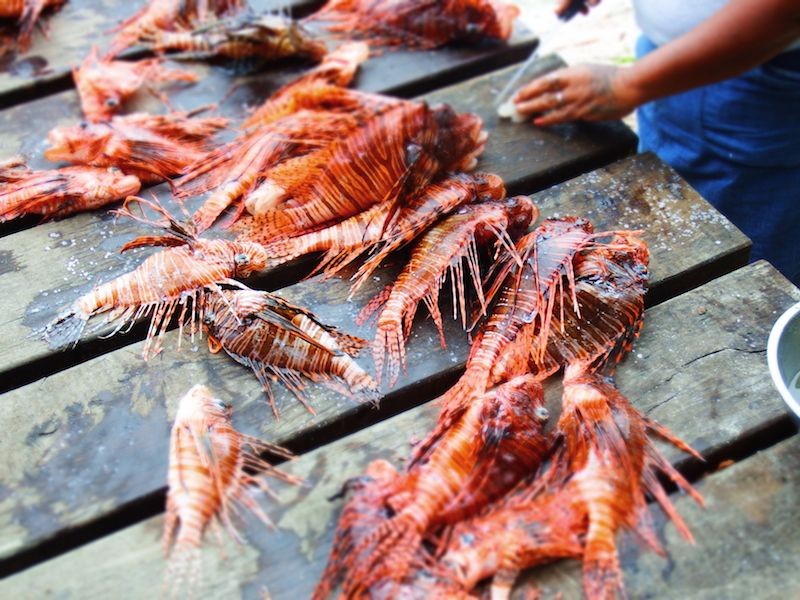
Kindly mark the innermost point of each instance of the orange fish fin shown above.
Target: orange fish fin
(387, 555)
(377, 303)
(602, 576)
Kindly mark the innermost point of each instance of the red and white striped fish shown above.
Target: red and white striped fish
(214, 474)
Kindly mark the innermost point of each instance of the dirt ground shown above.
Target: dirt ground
(606, 35)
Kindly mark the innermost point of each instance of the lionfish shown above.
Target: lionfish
(288, 126)
(345, 241)
(246, 36)
(214, 473)
(168, 282)
(59, 192)
(419, 23)
(388, 159)
(280, 341)
(451, 246)
(104, 85)
(152, 147)
(497, 441)
(603, 464)
(169, 15)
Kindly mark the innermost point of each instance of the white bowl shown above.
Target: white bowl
(783, 356)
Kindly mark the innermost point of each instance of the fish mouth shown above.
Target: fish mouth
(56, 154)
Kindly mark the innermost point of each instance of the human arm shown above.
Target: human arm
(740, 36)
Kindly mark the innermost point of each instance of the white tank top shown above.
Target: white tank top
(664, 20)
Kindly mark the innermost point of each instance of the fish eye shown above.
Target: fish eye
(241, 259)
(83, 124)
(112, 102)
(221, 405)
(542, 413)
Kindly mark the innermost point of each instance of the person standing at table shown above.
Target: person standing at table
(717, 88)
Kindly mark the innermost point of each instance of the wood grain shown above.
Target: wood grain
(698, 368)
(67, 258)
(59, 441)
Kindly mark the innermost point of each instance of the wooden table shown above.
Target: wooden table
(85, 432)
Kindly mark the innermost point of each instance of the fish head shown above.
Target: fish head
(249, 258)
(489, 186)
(489, 19)
(199, 405)
(83, 143)
(521, 212)
(460, 138)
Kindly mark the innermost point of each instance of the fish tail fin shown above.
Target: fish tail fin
(66, 329)
(389, 350)
(360, 383)
(389, 552)
(602, 576)
(183, 574)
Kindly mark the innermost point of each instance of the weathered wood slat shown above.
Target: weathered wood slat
(66, 258)
(68, 35)
(125, 404)
(698, 368)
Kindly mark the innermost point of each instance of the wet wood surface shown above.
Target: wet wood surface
(698, 368)
(119, 392)
(67, 258)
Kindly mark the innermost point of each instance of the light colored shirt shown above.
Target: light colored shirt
(664, 20)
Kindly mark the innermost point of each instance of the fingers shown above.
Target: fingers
(551, 82)
(546, 102)
(554, 117)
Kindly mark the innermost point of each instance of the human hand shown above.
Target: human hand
(563, 5)
(583, 92)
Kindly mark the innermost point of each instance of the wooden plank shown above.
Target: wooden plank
(747, 543)
(126, 403)
(67, 258)
(68, 35)
(698, 368)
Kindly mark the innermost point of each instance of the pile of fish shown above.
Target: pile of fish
(348, 178)
(489, 493)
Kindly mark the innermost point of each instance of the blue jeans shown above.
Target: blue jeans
(737, 142)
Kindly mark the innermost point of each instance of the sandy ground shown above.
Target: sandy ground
(606, 35)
